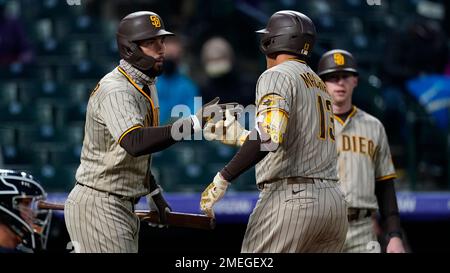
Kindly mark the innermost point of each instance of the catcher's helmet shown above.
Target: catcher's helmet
(15, 188)
(336, 60)
(288, 31)
(138, 26)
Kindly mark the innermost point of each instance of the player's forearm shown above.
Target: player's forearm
(248, 156)
(387, 203)
(147, 140)
(152, 181)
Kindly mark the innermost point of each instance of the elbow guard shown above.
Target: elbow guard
(271, 126)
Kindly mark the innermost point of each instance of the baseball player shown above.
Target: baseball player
(300, 207)
(365, 169)
(121, 131)
(23, 228)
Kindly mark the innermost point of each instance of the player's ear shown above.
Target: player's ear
(355, 81)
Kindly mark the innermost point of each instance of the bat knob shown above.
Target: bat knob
(212, 223)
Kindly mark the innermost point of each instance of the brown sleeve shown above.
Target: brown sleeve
(387, 203)
(147, 140)
(248, 156)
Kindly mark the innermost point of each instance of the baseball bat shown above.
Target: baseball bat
(176, 219)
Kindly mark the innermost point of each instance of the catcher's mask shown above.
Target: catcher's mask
(19, 196)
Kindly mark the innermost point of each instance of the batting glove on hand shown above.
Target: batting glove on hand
(212, 112)
(212, 194)
(202, 116)
(158, 203)
(228, 131)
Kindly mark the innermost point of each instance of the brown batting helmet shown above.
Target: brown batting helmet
(288, 31)
(138, 26)
(336, 60)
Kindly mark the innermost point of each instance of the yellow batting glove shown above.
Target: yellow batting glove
(212, 194)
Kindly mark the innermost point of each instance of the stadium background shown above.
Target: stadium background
(66, 46)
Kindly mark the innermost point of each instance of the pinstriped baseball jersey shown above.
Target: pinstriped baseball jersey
(364, 157)
(308, 149)
(117, 106)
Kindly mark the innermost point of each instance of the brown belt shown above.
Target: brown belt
(356, 214)
(133, 200)
(290, 181)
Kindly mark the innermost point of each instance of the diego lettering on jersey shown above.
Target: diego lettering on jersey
(357, 144)
(311, 80)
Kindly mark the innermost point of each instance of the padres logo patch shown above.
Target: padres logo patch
(155, 21)
(338, 59)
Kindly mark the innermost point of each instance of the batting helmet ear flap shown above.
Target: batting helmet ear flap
(133, 47)
(131, 53)
(264, 45)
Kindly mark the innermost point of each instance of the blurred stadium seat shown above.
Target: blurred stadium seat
(58, 179)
